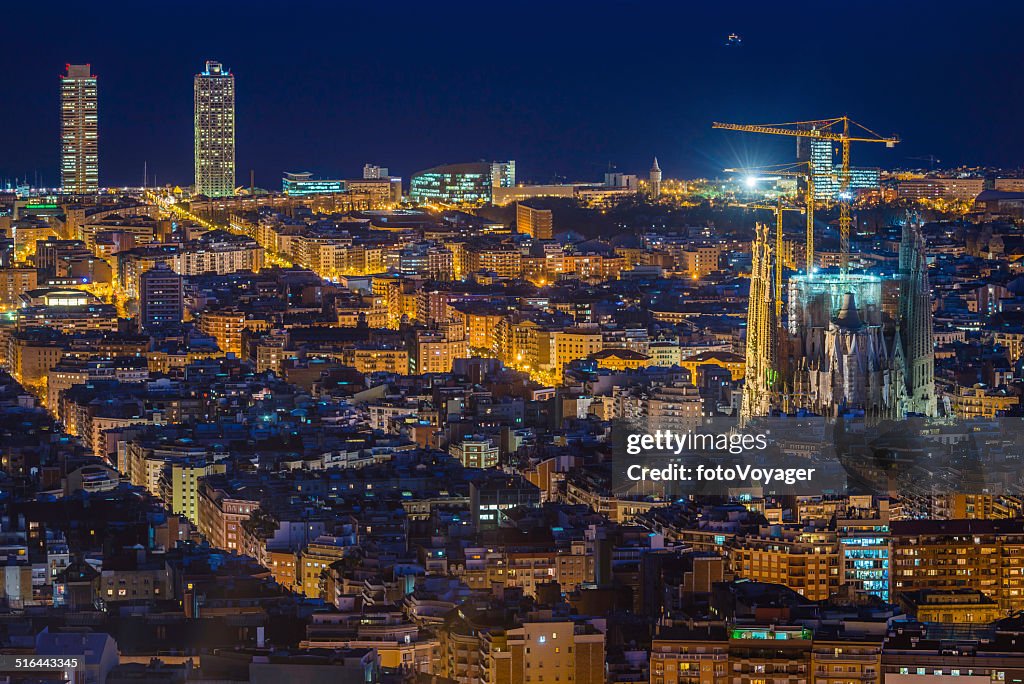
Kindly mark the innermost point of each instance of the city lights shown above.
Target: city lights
(435, 358)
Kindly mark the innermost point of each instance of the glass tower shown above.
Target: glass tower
(826, 177)
(79, 138)
(215, 131)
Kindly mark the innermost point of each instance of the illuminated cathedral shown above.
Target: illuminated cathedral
(838, 350)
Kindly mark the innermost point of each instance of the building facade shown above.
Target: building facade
(537, 223)
(79, 130)
(469, 183)
(215, 131)
(297, 184)
(161, 300)
(964, 189)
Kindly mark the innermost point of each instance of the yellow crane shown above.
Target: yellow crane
(808, 177)
(836, 130)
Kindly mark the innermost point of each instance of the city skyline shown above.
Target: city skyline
(597, 343)
(390, 94)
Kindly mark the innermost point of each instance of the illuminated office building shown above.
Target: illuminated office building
(79, 136)
(470, 183)
(475, 451)
(827, 175)
(297, 184)
(503, 174)
(822, 158)
(215, 131)
(863, 178)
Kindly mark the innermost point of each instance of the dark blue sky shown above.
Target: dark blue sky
(563, 87)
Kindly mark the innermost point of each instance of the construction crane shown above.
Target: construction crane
(778, 208)
(836, 130)
(808, 176)
(931, 159)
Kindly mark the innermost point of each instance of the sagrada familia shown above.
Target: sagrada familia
(839, 349)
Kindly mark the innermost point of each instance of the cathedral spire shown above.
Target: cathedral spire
(762, 334)
(915, 321)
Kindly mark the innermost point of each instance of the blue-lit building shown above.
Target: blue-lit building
(864, 551)
(470, 183)
(296, 184)
(826, 180)
(827, 175)
(862, 178)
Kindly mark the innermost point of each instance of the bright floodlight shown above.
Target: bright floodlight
(750, 182)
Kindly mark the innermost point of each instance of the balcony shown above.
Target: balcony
(691, 657)
(847, 657)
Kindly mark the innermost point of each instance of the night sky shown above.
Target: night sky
(564, 88)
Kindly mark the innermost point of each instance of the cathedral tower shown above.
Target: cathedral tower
(762, 332)
(915, 322)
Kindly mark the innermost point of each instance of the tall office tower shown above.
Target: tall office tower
(537, 223)
(79, 137)
(161, 300)
(655, 179)
(374, 172)
(215, 131)
(827, 180)
(916, 322)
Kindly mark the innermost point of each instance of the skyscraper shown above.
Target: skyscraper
(821, 156)
(79, 141)
(827, 174)
(215, 131)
